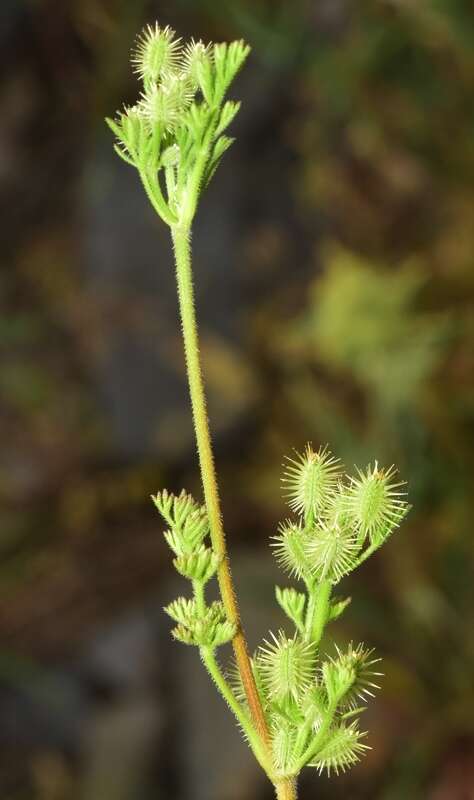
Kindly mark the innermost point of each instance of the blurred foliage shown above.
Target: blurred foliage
(357, 329)
(363, 321)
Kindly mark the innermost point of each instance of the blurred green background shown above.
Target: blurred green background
(334, 258)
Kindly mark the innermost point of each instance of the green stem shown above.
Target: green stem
(368, 552)
(317, 742)
(318, 611)
(182, 250)
(198, 589)
(170, 179)
(210, 662)
(312, 597)
(302, 737)
(286, 789)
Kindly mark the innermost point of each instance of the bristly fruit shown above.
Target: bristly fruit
(332, 550)
(194, 58)
(309, 479)
(289, 548)
(342, 750)
(157, 51)
(286, 666)
(375, 502)
(360, 662)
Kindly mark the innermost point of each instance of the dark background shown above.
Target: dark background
(333, 259)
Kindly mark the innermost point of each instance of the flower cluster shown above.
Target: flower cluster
(197, 623)
(174, 134)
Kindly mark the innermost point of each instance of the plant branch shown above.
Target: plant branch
(365, 555)
(311, 607)
(198, 589)
(210, 662)
(317, 743)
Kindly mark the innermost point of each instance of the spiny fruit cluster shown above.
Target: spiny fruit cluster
(337, 516)
(311, 709)
(174, 135)
(311, 703)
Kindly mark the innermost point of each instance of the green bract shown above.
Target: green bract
(295, 706)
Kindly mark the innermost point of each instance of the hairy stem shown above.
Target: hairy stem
(318, 742)
(365, 555)
(310, 611)
(210, 662)
(182, 250)
(198, 589)
(286, 789)
(320, 610)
